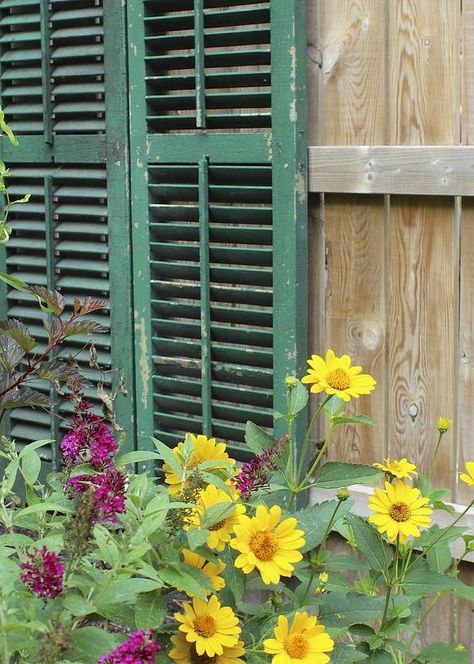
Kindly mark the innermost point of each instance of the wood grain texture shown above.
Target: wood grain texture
(424, 72)
(355, 311)
(421, 373)
(467, 128)
(351, 45)
(465, 415)
(421, 170)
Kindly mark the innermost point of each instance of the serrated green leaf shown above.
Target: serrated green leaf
(344, 610)
(346, 653)
(315, 519)
(168, 457)
(19, 333)
(150, 610)
(421, 583)
(31, 466)
(354, 419)
(138, 456)
(377, 552)
(443, 653)
(298, 398)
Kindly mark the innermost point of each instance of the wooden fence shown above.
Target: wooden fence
(392, 227)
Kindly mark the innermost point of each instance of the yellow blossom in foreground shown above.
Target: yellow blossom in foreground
(305, 642)
(400, 510)
(336, 376)
(268, 544)
(219, 533)
(209, 626)
(185, 653)
(204, 449)
(401, 469)
(443, 424)
(468, 477)
(210, 569)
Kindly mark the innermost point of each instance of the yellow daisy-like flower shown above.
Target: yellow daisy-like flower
(305, 642)
(210, 569)
(220, 533)
(209, 626)
(400, 469)
(336, 376)
(204, 449)
(185, 653)
(268, 544)
(400, 510)
(443, 424)
(468, 477)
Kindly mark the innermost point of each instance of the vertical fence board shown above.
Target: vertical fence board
(467, 127)
(424, 68)
(352, 46)
(355, 304)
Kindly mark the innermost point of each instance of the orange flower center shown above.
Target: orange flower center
(296, 646)
(264, 545)
(399, 511)
(339, 379)
(194, 658)
(205, 625)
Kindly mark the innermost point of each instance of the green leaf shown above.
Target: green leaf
(19, 333)
(34, 446)
(216, 513)
(150, 610)
(378, 656)
(353, 419)
(6, 129)
(234, 577)
(377, 552)
(257, 439)
(184, 579)
(346, 653)
(135, 457)
(11, 353)
(24, 397)
(437, 534)
(464, 592)
(344, 610)
(108, 549)
(77, 605)
(168, 457)
(439, 557)
(38, 508)
(298, 398)
(88, 644)
(196, 537)
(31, 466)
(421, 583)
(340, 561)
(334, 407)
(125, 590)
(443, 653)
(315, 519)
(335, 474)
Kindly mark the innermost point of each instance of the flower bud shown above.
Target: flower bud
(343, 493)
(290, 382)
(443, 424)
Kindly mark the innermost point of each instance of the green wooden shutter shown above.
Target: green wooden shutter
(63, 89)
(218, 211)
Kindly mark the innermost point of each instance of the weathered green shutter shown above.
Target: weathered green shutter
(63, 89)
(218, 211)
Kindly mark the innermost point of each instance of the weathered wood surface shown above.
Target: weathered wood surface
(392, 114)
(379, 169)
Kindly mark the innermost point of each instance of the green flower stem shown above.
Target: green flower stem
(408, 567)
(310, 581)
(307, 438)
(434, 457)
(385, 608)
(302, 486)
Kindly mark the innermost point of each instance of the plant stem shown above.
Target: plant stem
(385, 608)
(318, 459)
(434, 457)
(304, 448)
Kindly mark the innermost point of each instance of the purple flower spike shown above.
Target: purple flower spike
(140, 648)
(43, 573)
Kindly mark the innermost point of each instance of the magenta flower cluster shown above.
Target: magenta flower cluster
(254, 474)
(110, 489)
(91, 441)
(140, 648)
(43, 573)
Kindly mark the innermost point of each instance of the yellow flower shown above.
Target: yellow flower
(209, 626)
(204, 449)
(469, 476)
(268, 544)
(336, 376)
(305, 642)
(220, 532)
(443, 424)
(400, 469)
(323, 579)
(210, 569)
(185, 653)
(399, 510)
